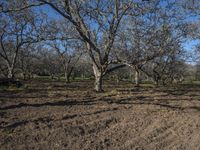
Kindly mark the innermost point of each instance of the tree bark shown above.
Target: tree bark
(66, 77)
(52, 76)
(68, 73)
(118, 80)
(156, 82)
(98, 83)
(10, 73)
(137, 77)
(98, 79)
(24, 76)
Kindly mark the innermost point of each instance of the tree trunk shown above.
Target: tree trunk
(24, 76)
(137, 75)
(52, 76)
(98, 83)
(30, 76)
(11, 65)
(118, 80)
(82, 76)
(66, 77)
(156, 82)
(59, 77)
(98, 79)
(10, 73)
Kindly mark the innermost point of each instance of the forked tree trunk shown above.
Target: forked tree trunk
(98, 79)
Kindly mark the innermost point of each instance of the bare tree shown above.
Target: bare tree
(49, 63)
(26, 61)
(167, 68)
(140, 42)
(65, 41)
(115, 33)
(97, 23)
(151, 35)
(16, 31)
(69, 56)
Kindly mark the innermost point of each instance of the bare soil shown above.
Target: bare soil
(52, 115)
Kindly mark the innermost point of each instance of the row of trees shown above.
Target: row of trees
(102, 36)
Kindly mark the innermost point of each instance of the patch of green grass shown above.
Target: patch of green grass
(147, 82)
(80, 78)
(114, 91)
(191, 82)
(147, 85)
(3, 88)
(196, 82)
(43, 77)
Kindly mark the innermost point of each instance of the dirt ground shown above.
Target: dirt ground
(50, 115)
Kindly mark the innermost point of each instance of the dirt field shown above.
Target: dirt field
(51, 115)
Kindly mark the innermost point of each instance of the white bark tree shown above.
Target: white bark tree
(16, 31)
(97, 23)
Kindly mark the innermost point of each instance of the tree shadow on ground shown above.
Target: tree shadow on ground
(47, 120)
(139, 100)
(159, 102)
(57, 103)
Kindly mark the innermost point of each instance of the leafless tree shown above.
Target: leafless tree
(115, 33)
(17, 30)
(27, 61)
(97, 23)
(66, 43)
(69, 56)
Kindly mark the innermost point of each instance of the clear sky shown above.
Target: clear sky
(49, 11)
(188, 45)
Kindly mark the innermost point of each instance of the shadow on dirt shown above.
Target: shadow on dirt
(138, 100)
(48, 120)
(159, 102)
(57, 103)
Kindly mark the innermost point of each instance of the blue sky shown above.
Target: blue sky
(188, 44)
(49, 11)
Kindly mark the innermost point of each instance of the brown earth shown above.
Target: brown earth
(51, 115)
